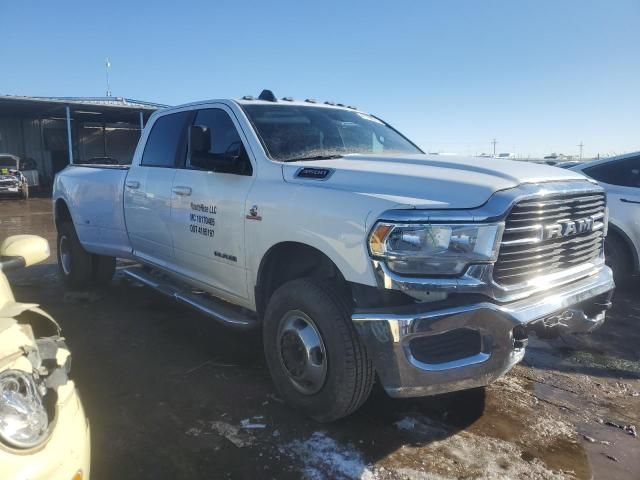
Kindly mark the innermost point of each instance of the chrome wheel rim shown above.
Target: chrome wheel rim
(302, 352)
(64, 252)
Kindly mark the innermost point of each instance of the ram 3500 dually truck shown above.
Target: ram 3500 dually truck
(358, 255)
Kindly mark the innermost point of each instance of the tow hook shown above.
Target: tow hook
(520, 337)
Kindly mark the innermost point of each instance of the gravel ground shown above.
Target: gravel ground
(171, 395)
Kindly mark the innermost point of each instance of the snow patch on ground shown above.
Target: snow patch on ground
(323, 457)
(488, 458)
(548, 427)
(461, 455)
(467, 455)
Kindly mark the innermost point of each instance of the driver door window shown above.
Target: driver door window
(225, 152)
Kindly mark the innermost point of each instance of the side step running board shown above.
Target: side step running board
(223, 312)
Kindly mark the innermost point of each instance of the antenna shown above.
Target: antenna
(494, 142)
(581, 145)
(107, 67)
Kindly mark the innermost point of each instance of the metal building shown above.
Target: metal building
(56, 131)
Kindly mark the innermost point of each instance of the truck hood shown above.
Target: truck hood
(424, 181)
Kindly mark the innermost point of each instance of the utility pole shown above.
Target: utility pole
(581, 145)
(107, 66)
(494, 142)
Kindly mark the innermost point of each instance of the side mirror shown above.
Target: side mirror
(31, 249)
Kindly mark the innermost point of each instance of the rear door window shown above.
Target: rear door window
(166, 138)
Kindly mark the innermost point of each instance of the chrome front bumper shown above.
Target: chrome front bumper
(501, 330)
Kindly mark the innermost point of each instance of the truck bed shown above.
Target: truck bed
(95, 199)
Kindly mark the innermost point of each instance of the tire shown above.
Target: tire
(75, 264)
(316, 308)
(618, 257)
(103, 269)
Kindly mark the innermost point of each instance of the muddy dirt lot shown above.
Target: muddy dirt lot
(172, 395)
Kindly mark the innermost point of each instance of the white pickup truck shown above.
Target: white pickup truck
(358, 255)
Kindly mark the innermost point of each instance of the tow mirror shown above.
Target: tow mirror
(24, 250)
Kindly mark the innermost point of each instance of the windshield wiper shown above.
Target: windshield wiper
(314, 157)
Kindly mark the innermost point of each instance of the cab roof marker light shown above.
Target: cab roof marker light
(287, 99)
(248, 97)
(311, 100)
(329, 103)
(267, 96)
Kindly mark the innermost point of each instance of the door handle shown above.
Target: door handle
(182, 191)
(625, 200)
(133, 184)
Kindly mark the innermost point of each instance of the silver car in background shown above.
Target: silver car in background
(620, 177)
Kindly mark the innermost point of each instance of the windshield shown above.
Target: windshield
(7, 162)
(291, 132)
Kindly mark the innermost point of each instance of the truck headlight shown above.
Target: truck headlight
(434, 248)
(23, 419)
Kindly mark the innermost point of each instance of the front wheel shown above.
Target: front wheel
(317, 360)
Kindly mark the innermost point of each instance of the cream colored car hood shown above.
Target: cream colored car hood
(16, 338)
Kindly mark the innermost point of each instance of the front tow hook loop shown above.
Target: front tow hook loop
(520, 337)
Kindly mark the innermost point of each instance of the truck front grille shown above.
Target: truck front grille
(548, 235)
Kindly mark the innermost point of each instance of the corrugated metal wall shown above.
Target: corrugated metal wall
(45, 141)
(23, 137)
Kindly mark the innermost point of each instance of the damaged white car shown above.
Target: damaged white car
(44, 433)
(12, 180)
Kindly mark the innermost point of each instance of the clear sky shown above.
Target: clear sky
(540, 76)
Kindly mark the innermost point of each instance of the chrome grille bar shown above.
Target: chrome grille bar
(528, 250)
